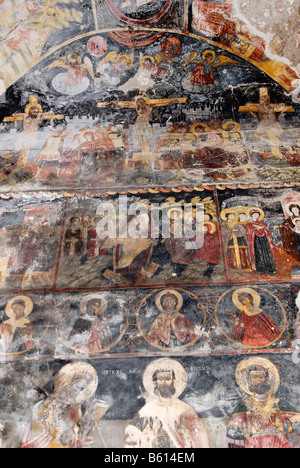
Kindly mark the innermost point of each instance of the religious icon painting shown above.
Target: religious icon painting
(171, 319)
(97, 324)
(251, 317)
(21, 328)
(30, 235)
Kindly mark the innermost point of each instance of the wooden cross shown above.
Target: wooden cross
(269, 128)
(149, 102)
(33, 104)
(32, 120)
(143, 106)
(265, 105)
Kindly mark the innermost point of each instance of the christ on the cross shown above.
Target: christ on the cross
(32, 120)
(142, 131)
(268, 127)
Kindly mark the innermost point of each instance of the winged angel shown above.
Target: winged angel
(77, 75)
(111, 69)
(203, 78)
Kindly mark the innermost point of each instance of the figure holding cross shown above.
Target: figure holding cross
(32, 120)
(268, 125)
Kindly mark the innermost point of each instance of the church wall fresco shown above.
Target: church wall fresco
(150, 227)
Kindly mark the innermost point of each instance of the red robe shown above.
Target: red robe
(210, 250)
(251, 431)
(255, 330)
(202, 75)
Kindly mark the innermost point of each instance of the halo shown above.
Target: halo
(33, 102)
(252, 292)
(195, 126)
(229, 211)
(237, 126)
(166, 292)
(165, 364)
(206, 211)
(83, 303)
(209, 52)
(28, 306)
(241, 373)
(212, 226)
(78, 369)
(258, 210)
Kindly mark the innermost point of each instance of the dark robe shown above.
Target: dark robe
(262, 248)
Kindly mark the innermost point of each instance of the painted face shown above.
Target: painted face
(75, 392)
(169, 304)
(231, 217)
(258, 382)
(33, 112)
(18, 309)
(94, 308)
(165, 384)
(255, 216)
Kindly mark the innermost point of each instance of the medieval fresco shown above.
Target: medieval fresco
(150, 225)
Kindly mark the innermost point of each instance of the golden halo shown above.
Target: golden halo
(83, 303)
(213, 226)
(148, 57)
(229, 211)
(201, 125)
(236, 129)
(209, 52)
(206, 211)
(79, 370)
(241, 374)
(165, 364)
(258, 210)
(28, 306)
(33, 102)
(252, 292)
(166, 292)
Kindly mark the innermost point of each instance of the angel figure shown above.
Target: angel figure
(203, 78)
(152, 71)
(76, 80)
(111, 69)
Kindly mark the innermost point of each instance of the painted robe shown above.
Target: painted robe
(255, 329)
(169, 328)
(171, 424)
(251, 429)
(262, 248)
